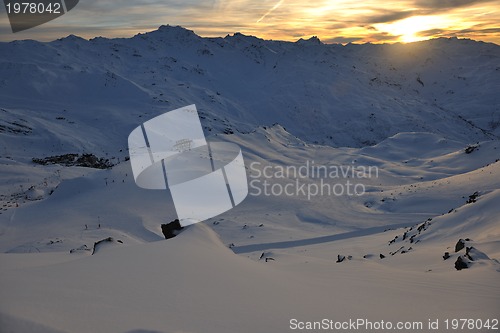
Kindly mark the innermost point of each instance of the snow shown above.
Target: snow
(193, 282)
(424, 114)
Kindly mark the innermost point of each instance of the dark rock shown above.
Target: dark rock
(460, 245)
(467, 252)
(473, 254)
(446, 255)
(105, 240)
(269, 259)
(460, 264)
(406, 251)
(171, 229)
(82, 248)
(473, 197)
(84, 160)
(340, 258)
(423, 226)
(471, 148)
(382, 256)
(398, 250)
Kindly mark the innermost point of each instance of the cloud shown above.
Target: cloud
(381, 37)
(342, 40)
(447, 4)
(476, 30)
(431, 33)
(332, 21)
(389, 16)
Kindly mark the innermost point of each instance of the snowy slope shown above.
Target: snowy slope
(194, 284)
(426, 115)
(350, 95)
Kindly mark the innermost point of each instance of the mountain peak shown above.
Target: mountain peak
(170, 32)
(174, 30)
(239, 36)
(314, 40)
(72, 38)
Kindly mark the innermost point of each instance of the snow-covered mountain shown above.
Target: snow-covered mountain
(352, 95)
(425, 115)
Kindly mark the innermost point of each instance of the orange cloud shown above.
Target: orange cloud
(343, 21)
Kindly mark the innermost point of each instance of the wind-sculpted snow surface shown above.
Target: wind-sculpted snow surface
(193, 283)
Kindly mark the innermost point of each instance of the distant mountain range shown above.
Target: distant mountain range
(340, 95)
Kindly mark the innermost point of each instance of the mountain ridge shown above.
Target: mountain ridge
(352, 95)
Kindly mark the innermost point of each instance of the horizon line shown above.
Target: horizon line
(236, 33)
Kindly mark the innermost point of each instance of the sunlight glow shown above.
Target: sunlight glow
(408, 28)
(333, 21)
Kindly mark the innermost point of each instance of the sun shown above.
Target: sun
(408, 29)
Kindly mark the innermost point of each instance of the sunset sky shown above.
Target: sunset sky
(336, 21)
